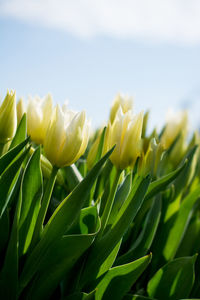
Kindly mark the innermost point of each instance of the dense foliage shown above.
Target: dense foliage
(117, 217)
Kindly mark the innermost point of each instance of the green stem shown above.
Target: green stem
(46, 167)
(109, 203)
(44, 206)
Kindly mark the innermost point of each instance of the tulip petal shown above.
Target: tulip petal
(54, 136)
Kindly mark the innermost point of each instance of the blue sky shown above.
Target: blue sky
(89, 63)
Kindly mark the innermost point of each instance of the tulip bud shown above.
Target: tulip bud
(150, 159)
(20, 110)
(125, 133)
(39, 112)
(8, 118)
(126, 104)
(176, 123)
(66, 138)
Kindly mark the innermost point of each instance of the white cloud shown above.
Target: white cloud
(166, 20)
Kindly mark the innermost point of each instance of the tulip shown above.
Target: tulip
(20, 110)
(39, 112)
(8, 118)
(177, 123)
(125, 133)
(126, 104)
(66, 138)
(176, 128)
(150, 159)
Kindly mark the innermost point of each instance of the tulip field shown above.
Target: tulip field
(111, 213)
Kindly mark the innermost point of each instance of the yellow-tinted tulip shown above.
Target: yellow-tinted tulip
(66, 138)
(176, 127)
(125, 133)
(125, 102)
(177, 123)
(149, 160)
(8, 118)
(39, 112)
(20, 110)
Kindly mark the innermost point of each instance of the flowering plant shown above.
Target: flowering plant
(113, 216)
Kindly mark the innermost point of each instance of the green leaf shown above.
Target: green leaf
(156, 187)
(179, 227)
(174, 280)
(4, 229)
(103, 247)
(120, 197)
(61, 221)
(9, 272)
(100, 147)
(62, 255)
(67, 211)
(143, 243)
(81, 296)
(20, 134)
(104, 184)
(182, 181)
(7, 178)
(31, 189)
(97, 158)
(107, 264)
(160, 184)
(190, 243)
(7, 158)
(136, 297)
(118, 281)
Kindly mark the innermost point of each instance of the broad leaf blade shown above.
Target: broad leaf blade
(61, 221)
(62, 255)
(31, 189)
(120, 197)
(9, 272)
(118, 281)
(9, 156)
(20, 134)
(143, 243)
(176, 233)
(103, 247)
(174, 280)
(160, 184)
(7, 178)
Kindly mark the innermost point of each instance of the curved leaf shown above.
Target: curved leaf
(20, 134)
(120, 197)
(61, 221)
(62, 255)
(144, 240)
(9, 156)
(160, 184)
(7, 178)
(31, 191)
(118, 281)
(174, 280)
(178, 229)
(103, 247)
